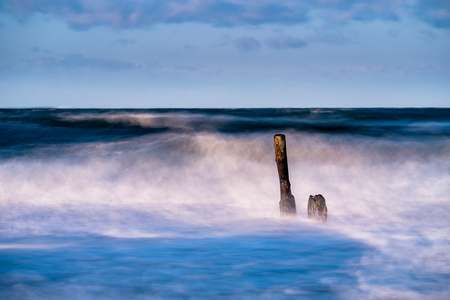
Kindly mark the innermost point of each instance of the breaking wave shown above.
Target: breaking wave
(184, 203)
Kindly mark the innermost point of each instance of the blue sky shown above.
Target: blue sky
(224, 53)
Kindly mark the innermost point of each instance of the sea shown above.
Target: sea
(184, 204)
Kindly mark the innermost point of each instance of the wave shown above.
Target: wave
(28, 127)
(102, 184)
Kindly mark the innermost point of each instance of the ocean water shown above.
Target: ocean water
(183, 204)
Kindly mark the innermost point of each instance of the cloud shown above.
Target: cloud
(285, 42)
(342, 11)
(393, 33)
(77, 61)
(84, 14)
(39, 50)
(225, 40)
(434, 12)
(247, 44)
(427, 35)
(124, 42)
(328, 35)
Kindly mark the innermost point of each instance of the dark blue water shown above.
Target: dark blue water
(183, 204)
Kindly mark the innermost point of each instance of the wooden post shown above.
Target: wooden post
(317, 208)
(287, 202)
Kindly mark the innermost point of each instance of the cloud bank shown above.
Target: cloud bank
(134, 13)
(83, 14)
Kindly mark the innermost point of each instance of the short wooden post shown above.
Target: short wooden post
(317, 208)
(287, 202)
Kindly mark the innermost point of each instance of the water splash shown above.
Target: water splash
(102, 205)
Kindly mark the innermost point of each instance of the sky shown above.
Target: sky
(224, 53)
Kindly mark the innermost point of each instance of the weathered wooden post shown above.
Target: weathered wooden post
(287, 202)
(317, 208)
